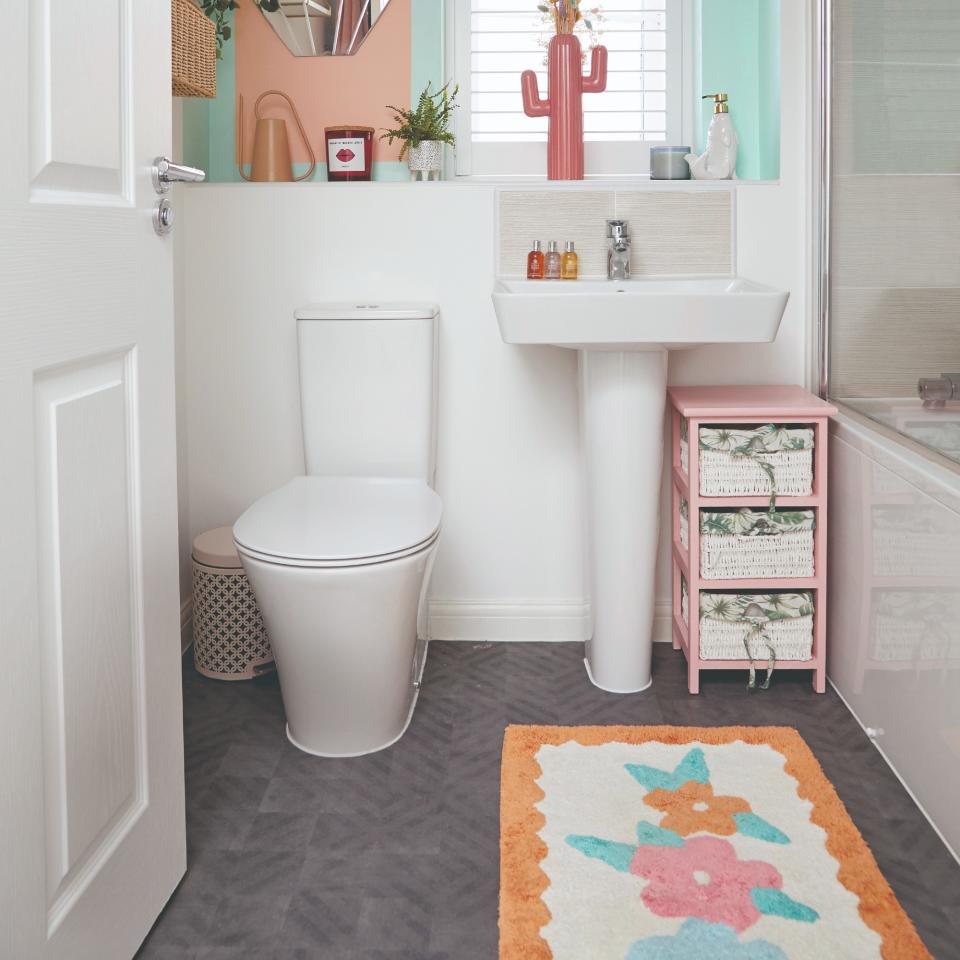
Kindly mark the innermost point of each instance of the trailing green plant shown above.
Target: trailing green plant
(217, 11)
(429, 121)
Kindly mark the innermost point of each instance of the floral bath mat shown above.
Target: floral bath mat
(684, 843)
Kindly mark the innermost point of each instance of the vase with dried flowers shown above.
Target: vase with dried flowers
(566, 86)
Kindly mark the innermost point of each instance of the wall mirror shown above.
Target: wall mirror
(317, 28)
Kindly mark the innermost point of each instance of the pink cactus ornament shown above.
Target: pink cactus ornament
(564, 106)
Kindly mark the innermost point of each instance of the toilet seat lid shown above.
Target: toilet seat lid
(346, 519)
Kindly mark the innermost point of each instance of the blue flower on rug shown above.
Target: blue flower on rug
(692, 767)
(699, 940)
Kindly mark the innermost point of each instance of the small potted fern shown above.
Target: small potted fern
(423, 131)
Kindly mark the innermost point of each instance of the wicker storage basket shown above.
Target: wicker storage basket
(727, 629)
(194, 51)
(725, 475)
(229, 639)
(739, 461)
(747, 544)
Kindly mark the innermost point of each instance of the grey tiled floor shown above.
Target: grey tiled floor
(395, 856)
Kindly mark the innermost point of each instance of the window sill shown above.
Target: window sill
(634, 182)
(515, 183)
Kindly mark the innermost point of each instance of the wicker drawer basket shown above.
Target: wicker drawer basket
(194, 51)
(744, 461)
(730, 624)
(749, 544)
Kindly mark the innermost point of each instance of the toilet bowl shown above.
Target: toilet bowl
(339, 560)
(340, 567)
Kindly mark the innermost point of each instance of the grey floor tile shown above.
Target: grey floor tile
(153, 951)
(398, 923)
(250, 760)
(323, 919)
(281, 830)
(249, 921)
(395, 856)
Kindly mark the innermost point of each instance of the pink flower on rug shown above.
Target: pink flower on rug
(704, 878)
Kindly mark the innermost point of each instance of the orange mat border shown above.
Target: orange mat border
(523, 912)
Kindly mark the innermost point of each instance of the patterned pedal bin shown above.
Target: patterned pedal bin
(229, 639)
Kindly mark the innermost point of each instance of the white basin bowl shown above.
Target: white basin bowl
(638, 314)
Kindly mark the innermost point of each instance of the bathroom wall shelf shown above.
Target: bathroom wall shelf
(730, 406)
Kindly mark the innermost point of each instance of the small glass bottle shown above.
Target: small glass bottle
(535, 262)
(569, 263)
(551, 270)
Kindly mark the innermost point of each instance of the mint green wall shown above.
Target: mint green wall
(769, 138)
(428, 42)
(210, 126)
(739, 43)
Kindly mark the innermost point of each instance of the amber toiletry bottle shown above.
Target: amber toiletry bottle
(551, 270)
(535, 262)
(569, 264)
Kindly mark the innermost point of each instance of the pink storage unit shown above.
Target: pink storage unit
(742, 407)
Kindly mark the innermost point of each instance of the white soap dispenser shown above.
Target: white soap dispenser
(719, 162)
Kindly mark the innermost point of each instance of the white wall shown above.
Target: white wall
(510, 566)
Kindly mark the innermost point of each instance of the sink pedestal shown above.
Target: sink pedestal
(622, 400)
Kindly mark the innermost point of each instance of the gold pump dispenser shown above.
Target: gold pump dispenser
(720, 102)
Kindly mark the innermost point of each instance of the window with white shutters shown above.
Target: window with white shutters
(639, 108)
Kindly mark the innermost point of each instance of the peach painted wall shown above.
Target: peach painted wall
(326, 90)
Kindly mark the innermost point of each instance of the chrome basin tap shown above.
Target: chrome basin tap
(618, 250)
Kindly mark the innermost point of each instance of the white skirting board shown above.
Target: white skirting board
(186, 624)
(481, 621)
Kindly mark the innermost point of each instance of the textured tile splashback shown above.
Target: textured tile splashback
(896, 31)
(577, 215)
(890, 337)
(679, 232)
(674, 231)
(896, 232)
(896, 118)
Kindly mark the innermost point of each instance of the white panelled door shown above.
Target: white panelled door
(91, 754)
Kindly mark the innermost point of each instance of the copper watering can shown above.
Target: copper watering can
(271, 149)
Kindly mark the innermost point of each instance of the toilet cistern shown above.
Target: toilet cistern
(618, 250)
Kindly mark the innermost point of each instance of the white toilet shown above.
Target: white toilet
(340, 559)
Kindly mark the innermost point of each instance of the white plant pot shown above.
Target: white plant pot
(425, 160)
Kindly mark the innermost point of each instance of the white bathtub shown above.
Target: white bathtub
(894, 621)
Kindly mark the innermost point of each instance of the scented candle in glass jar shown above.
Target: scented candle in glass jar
(349, 152)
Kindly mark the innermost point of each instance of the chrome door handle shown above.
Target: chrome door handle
(165, 172)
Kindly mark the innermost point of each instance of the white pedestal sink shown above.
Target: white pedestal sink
(623, 331)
